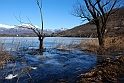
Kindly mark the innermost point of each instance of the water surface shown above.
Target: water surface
(52, 66)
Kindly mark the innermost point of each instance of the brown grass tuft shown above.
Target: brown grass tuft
(112, 44)
(4, 59)
(80, 45)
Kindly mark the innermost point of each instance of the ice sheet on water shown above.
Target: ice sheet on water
(9, 65)
(53, 62)
(32, 47)
(34, 68)
(11, 76)
(30, 57)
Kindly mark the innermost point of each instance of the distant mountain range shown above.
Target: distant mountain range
(17, 30)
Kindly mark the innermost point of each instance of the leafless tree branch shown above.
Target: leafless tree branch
(97, 11)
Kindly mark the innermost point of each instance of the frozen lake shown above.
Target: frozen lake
(52, 66)
(33, 42)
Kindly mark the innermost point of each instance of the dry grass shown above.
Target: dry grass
(61, 46)
(112, 44)
(4, 59)
(80, 45)
(115, 44)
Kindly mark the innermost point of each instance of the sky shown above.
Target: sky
(56, 13)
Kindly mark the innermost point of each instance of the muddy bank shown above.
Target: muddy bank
(109, 70)
(110, 63)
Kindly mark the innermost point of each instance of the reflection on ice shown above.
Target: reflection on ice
(30, 58)
(53, 62)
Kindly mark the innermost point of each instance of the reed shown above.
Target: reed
(112, 44)
(4, 59)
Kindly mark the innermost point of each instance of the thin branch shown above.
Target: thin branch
(18, 19)
(35, 28)
(41, 16)
(107, 2)
(32, 27)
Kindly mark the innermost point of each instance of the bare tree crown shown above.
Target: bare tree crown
(97, 12)
(95, 8)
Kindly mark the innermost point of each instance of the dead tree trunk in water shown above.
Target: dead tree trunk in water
(37, 31)
(41, 35)
(41, 46)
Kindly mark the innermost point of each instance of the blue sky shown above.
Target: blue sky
(55, 13)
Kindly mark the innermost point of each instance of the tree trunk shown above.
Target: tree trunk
(41, 47)
(101, 40)
(100, 37)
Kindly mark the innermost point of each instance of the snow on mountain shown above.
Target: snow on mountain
(6, 26)
(28, 25)
(60, 30)
(48, 31)
(6, 29)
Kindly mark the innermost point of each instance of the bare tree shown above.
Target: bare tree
(37, 31)
(40, 34)
(97, 12)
